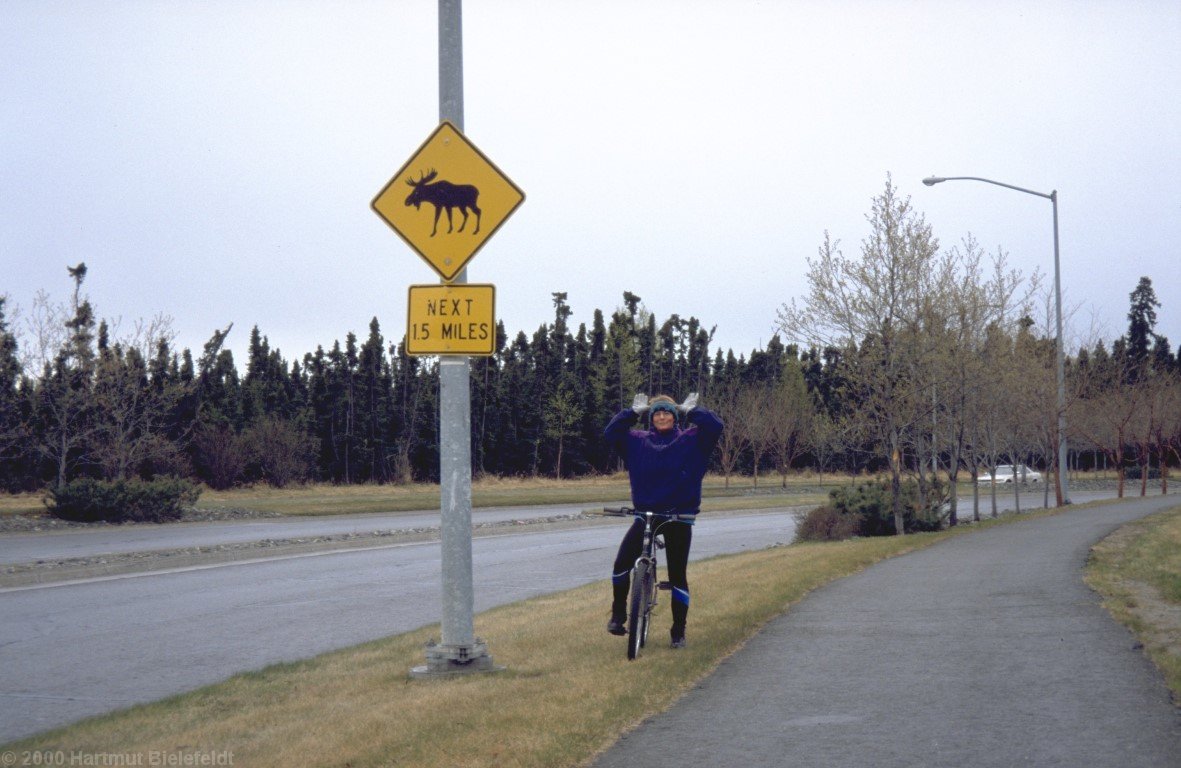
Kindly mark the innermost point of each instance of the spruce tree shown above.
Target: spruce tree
(13, 427)
(374, 391)
(1141, 326)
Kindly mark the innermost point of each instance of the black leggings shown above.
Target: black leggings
(678, 536)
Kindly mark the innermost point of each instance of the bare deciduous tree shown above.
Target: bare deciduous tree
(877, 302)
(791, 415)
(726, 400)
(280, 451)
(753, 420)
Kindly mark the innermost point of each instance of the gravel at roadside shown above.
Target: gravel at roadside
(53, 570)
(43, 522)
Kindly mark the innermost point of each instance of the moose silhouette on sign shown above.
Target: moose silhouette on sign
(444, 196)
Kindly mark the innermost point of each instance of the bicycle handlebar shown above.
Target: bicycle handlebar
(630, 512)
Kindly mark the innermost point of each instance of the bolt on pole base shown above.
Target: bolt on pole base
(450, 660)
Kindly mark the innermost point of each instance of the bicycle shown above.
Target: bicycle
(644, 580)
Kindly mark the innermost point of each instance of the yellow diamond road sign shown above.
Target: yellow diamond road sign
(458, 319)
(447, 200)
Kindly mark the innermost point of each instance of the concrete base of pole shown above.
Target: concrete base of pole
(450, 660)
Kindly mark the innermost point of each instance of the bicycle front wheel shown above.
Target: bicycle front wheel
(637, 617)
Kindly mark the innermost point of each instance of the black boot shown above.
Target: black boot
(617, 625)
(680, 613)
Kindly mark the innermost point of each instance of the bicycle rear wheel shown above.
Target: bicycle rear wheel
(637, 618)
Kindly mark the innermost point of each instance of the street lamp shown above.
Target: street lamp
(1062, 489)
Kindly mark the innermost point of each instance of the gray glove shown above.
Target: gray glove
(689, 404)
(640, 404)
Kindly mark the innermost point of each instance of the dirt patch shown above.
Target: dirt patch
(1154, 620)
(1161, 618)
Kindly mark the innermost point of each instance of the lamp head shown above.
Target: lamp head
(931, 181)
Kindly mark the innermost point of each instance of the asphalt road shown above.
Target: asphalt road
(150, 635)
(57, 545)
(984, 650)
(72, 650)
(88, 542)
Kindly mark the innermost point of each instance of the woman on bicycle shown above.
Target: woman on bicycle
(665, 464)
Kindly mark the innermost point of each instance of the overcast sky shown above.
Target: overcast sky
(214, 161)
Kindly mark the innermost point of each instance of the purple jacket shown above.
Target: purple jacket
(665, 470)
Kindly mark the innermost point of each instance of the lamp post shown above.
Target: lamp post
(1062, 490)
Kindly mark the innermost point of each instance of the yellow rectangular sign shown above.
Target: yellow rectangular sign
(451, 319)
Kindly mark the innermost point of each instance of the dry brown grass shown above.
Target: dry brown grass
(323, 499)
(21, 504)
(1137, 570)
(567, 691)
(326, 499)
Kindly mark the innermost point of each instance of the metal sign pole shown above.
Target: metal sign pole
(451, 62)
(458, 650)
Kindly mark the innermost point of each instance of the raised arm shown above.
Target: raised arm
(616, 432)
(709, 428)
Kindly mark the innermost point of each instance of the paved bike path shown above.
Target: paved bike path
(984, 650)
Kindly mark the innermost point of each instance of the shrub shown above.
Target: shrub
(279, 452)
(221, 455)
(1135, 471)
(866, 509)
(122, 501)
(826, 524)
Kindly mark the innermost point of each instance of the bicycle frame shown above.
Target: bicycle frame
(644, 579)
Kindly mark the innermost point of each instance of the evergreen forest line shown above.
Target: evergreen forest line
(361, 412)
(366, 412)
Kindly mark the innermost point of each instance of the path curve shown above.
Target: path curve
(984, 650)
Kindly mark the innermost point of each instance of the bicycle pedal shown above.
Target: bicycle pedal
(665, 585)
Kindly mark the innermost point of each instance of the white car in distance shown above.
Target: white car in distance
(1006, 472)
